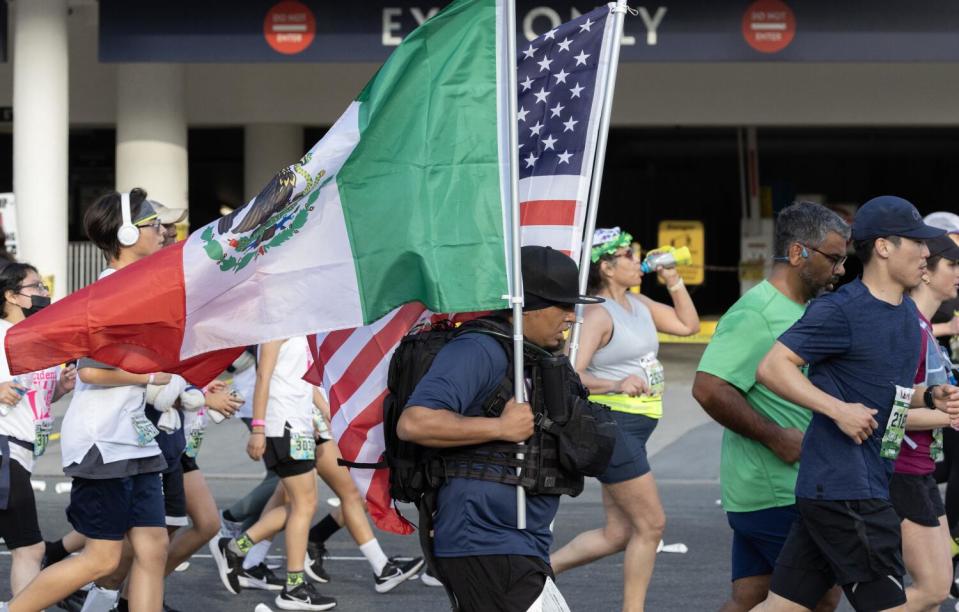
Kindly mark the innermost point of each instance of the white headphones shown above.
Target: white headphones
(128, 234)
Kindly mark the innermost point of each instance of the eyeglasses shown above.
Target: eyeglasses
(42, 288)
(836, 260)
(155, 224)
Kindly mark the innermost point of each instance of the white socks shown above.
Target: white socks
(257, 554)
(375, 555)
(100, 600)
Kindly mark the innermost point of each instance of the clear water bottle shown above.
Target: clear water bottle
(667, 257)
(24, 381)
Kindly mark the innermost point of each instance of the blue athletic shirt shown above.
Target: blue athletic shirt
(859, 349)
(476, 517)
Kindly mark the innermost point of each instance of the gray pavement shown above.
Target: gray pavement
(685, 459)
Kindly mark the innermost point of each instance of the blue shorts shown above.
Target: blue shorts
(106, 509)
(757, 539)
(629, 455)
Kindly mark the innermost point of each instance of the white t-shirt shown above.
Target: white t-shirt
(291, 397)
(103, 417)
(33, 410)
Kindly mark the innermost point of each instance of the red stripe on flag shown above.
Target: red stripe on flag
(385, 517)
(353, 438)
(548, 212)
(373, 352)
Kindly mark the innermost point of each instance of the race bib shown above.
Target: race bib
(302, 446)
(655, 376)
(41, 437)
(146, 431)
(896, 426)
(193, 442)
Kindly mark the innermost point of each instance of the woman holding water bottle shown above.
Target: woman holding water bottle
(618, 362)
(913, 490)
(25, 426)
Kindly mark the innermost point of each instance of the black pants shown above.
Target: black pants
(503, 583)
(948, 471)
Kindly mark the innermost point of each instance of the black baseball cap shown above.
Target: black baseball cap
(550, 278)
(943, 246)
(891, 216)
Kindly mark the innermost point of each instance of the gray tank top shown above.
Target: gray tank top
(634, 336)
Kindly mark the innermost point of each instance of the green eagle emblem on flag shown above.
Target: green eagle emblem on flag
(267, 221)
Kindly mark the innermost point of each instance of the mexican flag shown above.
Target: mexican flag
(405, 199)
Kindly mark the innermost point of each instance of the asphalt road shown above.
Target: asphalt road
(685, 460)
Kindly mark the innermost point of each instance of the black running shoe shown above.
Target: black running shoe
(303, 597)
(261, 577)
(314, 562)
(228, 564)
(396, 572)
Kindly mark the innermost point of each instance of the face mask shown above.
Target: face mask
(37, 303)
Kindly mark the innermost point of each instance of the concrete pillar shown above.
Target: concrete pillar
(151, 131)
(41, 131)
(267, 148)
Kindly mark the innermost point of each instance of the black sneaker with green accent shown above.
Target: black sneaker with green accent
(261, 577)
(303, 597)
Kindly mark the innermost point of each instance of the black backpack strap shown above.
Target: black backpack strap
(363, 466)
(427, 507)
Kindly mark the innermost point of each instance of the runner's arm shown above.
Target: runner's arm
(114, 377)
(440, 428)
(945, 398)
(922, 419)
(779, 372)
(727, 406)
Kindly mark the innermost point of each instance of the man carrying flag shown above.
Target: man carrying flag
(484, 559)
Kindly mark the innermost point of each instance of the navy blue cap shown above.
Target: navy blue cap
(891, 216)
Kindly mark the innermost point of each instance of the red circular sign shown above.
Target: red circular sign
(769, 26)
(289, 27)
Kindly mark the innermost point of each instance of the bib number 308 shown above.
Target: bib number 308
(896, 426)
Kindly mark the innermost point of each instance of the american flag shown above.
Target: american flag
(561, 77)
(559, 108)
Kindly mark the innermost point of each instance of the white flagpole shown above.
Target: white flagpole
(592, 204)
(516, 291)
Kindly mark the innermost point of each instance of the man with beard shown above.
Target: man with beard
(761, 443)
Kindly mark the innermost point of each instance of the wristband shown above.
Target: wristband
(150, 379)
(677, 286)
(927, 398)
(257, 423)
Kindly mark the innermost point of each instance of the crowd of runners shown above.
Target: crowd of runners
(838, 403)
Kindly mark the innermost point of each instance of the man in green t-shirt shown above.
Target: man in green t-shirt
(763, 435)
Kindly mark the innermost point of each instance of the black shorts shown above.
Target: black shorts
(18, 523)
(507, 583)
(916, 498)
(850, 543)
(277, 458)
(174, 496)
(188, 463)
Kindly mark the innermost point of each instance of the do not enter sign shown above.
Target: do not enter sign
(769, 26)
(289, 27)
